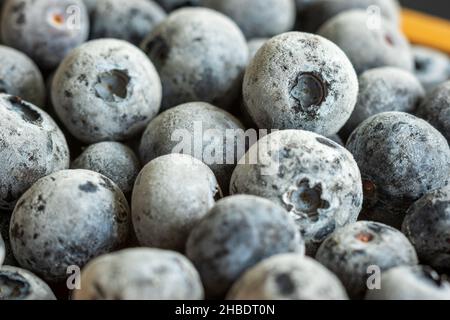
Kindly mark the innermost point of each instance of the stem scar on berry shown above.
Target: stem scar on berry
(309, 91)
(13, 286)
(112, 84)
(365, 237)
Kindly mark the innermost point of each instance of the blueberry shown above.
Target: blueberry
(427, 225)
(112, 159)
(19, 76)
(312, 177)
(314, 13)
(368, 46)
(237, 233)
(288, 277)
(32, 146)
(200, 55)
(171, 195)
(171, 5)
(130, 20)
(144, 274)
(106, 90)
(20, 284)
(411, 283)
(257, 18)
(198, 129)
(384, 89)
(254, 45)
(350, 251)
(46, 30)
(68, 218)
(432, 67)
(300, 81)
(435, 108)
(401, 158)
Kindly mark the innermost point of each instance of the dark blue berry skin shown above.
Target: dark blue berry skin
(435, 109)
(401, 158)
(381, 90)
(350, 251)
(46, 30)
(427, 225)
(238, 233)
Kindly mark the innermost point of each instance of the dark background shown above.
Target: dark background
(436, 7)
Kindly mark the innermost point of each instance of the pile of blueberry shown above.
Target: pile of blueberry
(221, 149)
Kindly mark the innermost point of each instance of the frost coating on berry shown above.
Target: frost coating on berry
(368, 48)
(140, 274)
(254, 45)
(257, 18)
(427, 225)
(19, 76)
(130, 20)
(20, 284)
(189, 122)
(300, 81)
(112, 159)
(411, 283)
(171, 195)
(351, 250)
(315, 179)
(47, 237)
(432, 67)
(401, 158)
(435, 108)
(314, 13)
(32, 146)
(288, 277)
(237, 233)
(106, 90)
(46, 30)
(382, 90)
(200, 55)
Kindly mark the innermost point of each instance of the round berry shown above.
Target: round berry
(236, 234)
(32, 146)
(198, 129)
(352, 252)
(20, 284)
(68, 218)
(130, 20)
(288, 277)
(144, 274)
(384, 89)
(200, 55)
(171, 195)
(46, 30)
(257, 18)
(106, 89)
(401, 158)
(312, 177)
(112, 159)
(300, 81)
(427, 225)
(432, 67)
(369, 46)
(19, 76)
